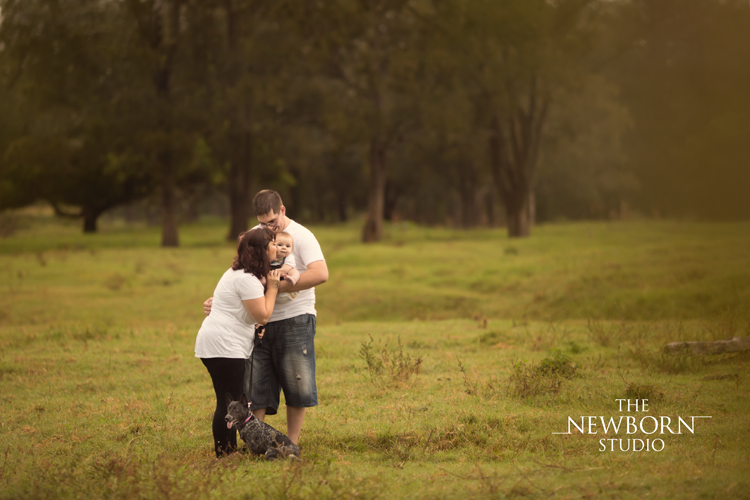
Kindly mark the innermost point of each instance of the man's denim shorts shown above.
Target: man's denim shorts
(285, 360)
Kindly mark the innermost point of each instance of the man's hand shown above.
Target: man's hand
(316, 274)
(207, 306)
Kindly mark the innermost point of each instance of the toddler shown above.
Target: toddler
(284, 247)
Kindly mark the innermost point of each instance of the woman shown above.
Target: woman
(225, 339)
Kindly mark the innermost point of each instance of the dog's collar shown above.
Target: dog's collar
(240, 426)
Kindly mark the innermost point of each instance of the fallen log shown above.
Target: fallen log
(735, 344)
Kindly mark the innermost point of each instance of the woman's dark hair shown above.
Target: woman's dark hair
(252, 252)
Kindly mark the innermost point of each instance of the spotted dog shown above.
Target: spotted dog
(260, 438)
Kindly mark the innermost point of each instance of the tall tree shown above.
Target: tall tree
(239, 114)
(72, 97)
(158, 23)
(516, 56)
(374, 55)
(241, 54)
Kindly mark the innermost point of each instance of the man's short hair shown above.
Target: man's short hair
(267, 201)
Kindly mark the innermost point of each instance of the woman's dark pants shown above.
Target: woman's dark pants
(227, 375)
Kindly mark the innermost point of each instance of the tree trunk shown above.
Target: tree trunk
(512, 168)
(519, 223)
(343, 215)
(89, 214)
(239, 210)
(510, 181)
(514, 141)
(239, 182)
(239, 135)
(488, 204)
(467, 187)
(169, 13)
(390, 200)
(159, 24)
(90, 217)
(531, 208)
(169, 229)
(373, 230)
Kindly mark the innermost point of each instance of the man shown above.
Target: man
(286, 358)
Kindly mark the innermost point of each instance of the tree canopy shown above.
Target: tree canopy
(452, 112)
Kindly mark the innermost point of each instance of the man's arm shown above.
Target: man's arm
(316, 274)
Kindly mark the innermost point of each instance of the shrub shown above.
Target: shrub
(559, 364)
(474, 387)
(393, 364)
(547, 376)
(652, 392)
(599, 333)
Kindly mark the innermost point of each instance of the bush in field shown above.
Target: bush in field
(651, 392)
(472, 387)
(547, 376)
(559, 364)
(600, 334)
(392, 364)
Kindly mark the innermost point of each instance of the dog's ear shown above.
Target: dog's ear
(243, 400)
(228, 398)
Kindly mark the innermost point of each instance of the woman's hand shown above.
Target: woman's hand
(273, 278)
(260, 309)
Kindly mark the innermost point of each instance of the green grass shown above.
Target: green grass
(102, 396)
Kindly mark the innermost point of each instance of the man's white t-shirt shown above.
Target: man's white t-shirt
(306, 250)
(228, 332)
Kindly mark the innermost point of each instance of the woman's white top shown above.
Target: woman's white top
(229, 330)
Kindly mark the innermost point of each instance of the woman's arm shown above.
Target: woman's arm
(260, 309)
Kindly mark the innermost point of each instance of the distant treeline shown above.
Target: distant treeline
(460, 112)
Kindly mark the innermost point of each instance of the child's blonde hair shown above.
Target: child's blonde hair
(284, 233)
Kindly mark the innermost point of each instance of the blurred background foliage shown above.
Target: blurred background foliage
(453, 112)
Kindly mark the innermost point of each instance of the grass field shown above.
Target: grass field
(446, 361)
